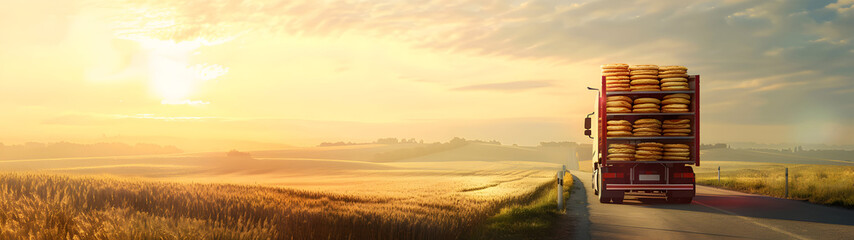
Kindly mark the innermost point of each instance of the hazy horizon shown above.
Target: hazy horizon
(126, 147)
(307, 72)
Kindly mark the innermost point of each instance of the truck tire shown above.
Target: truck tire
(601, 192)
(683, 197)
(618, 200)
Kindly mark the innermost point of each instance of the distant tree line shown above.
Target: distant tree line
(238, 154)
(339, 143)
(494, 142)
(558, 144)
(65, 149)
(399, 154)
(397, 141)
(816, 153)
(797, 150)
(714, 146)
(378, 141)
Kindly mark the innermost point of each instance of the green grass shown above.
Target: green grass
(821, 184)
(532, 220)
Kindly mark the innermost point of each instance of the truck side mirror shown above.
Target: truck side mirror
(587, 124)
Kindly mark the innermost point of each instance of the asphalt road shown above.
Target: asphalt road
(714, 214)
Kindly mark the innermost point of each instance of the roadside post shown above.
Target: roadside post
(560, 174)
(719, 174)
(787, 182)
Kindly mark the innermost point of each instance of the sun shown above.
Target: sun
(172, 76)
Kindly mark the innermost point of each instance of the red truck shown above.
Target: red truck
(674, 178)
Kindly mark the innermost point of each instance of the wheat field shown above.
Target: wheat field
(56, 206)
(307, 193)
(821, 184)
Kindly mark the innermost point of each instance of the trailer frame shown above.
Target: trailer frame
(678, 181)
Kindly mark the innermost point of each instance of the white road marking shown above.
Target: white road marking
(755, 222)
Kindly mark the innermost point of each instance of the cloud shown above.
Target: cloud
(762, 62)
(842, 5)
(78, 120)
(729, 42)
(114, 119)
(514, 86)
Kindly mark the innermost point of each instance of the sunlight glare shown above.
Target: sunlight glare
(172, 77)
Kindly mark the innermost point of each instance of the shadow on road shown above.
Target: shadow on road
(752, 206)
(616, 228)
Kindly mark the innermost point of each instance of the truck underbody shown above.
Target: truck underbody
(613, 181)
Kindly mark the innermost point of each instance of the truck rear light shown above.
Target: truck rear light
(612, 175)
(683, 175)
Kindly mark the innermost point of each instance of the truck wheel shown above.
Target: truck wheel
(601, 192)
(618, 200)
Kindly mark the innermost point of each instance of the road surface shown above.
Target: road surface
(714, 214)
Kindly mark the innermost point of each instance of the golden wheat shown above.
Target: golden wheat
(822, 184)
(52, 206)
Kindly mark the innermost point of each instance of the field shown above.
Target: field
(302, 193)
(819, 179)
(822, 184)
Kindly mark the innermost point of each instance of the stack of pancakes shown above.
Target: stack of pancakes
(647, 127)
(646, 105)
(649, 151)
(621, 152)
(677, 127)
(677, 152)
(676, 103)
(616, 77)
(673, 78)
(618, 104)
(644, 78)
(619, 128)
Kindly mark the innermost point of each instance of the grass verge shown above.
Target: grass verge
(821, 184)
(532, 220)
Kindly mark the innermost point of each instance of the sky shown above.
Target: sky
(302, 72)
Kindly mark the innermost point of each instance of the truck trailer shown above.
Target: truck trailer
(613, 179)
